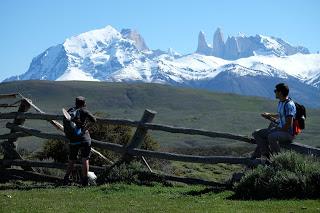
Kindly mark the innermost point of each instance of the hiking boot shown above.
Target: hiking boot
(85, 181)
(66, 180)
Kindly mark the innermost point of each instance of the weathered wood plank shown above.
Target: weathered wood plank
(302, 148)
(100, 144)
(139, 137)
(49, 117)
(56, 124)
(35, 132)
(146, 125)
(109, 146)
(139, 152)
(36, 116)
(194, 159)
(8, 174)
(46, 164)
(168, 156)
(13, 135)
(8, 106)
(13, 95)
(115, 121)
(141, 130)
(191, 131)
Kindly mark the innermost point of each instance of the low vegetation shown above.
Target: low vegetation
(289, 175)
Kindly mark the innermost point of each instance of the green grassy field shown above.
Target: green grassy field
(133, 198)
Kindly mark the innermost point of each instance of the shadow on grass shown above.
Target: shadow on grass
(30, 185)
(205, 191)
(21, 185)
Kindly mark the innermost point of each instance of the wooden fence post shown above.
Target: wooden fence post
(8, 146)
(137, 139)
(141, 131)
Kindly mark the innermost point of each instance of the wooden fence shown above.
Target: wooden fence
(17, 130)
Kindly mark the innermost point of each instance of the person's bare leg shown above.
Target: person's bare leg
(85, 167)
(70, 169)
(261, 139)
(85, 170)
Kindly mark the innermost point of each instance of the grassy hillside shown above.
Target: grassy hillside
(175, 106)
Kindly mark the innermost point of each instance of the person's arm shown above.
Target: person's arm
(90, 116)
(270, 116)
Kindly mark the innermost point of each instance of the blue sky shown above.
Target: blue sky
(28, 27)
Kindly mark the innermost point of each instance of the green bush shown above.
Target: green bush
(117, 134)
(133, 172)
(110, 133)
(289, 175)
(124, 172)
(54, 149)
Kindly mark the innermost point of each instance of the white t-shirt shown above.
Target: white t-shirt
(289, 110)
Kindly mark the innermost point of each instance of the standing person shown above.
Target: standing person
(79, 139)
(268, 139)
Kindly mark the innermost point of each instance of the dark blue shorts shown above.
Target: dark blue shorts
(84, 148)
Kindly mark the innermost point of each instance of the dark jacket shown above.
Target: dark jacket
(85, 116)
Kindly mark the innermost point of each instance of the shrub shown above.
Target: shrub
(111, 133)
(127, 173)
(117, 134)
(132, 173)
(54, 149)
(289, 175)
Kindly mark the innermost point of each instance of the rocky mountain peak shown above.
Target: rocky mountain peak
(243, 46)
(136, 37)
(203, 47)
(218, 46)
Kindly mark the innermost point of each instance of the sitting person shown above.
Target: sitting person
(268, 139)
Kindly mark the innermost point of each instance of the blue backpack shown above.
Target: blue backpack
(71, 130)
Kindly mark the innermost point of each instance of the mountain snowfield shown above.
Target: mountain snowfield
(109, 55)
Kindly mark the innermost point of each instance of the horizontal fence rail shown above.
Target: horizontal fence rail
(53, 165)
(141, 152)
(17, 174)
(150, 126)
(5, 96)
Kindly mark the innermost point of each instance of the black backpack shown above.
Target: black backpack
(69, 126)
(299, 120)
(300, 115)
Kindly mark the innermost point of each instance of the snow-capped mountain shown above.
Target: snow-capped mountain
(241, 46)
(257, 63)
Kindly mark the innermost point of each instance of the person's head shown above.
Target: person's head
(80, 102)
(281, 91)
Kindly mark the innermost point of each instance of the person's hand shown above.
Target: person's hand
(266, 115)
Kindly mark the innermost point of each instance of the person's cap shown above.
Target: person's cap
(80, 98)
(80, 101)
